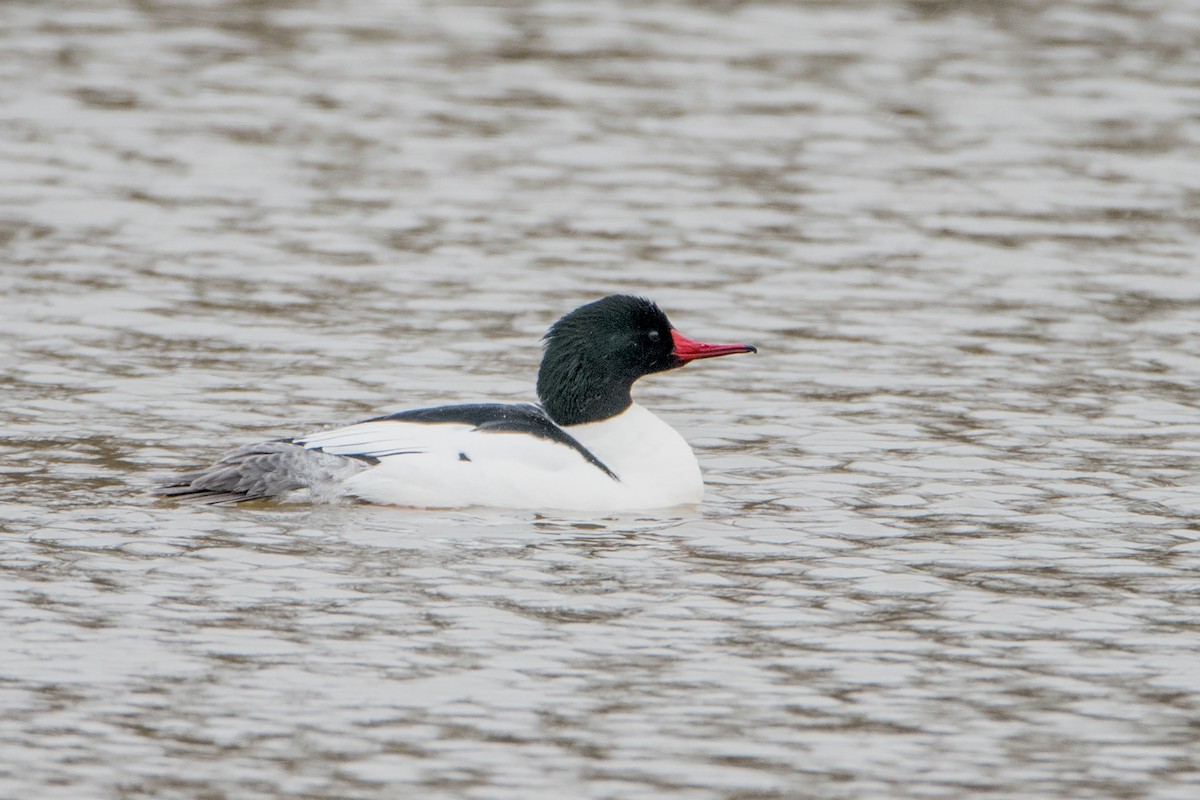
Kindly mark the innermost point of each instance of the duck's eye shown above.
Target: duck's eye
(653, 336)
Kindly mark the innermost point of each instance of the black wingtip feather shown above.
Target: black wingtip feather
(186, 493)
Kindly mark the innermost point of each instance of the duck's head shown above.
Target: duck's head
(594, 354)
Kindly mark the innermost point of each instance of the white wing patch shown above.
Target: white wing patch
(384, 438)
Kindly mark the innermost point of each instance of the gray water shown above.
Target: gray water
(951, 546)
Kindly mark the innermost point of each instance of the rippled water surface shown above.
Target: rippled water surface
(951, 545)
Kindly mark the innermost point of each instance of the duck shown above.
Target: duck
(584, 446)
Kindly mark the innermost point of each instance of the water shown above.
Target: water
(950, 547)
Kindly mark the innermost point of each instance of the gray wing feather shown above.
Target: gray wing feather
(267, 469)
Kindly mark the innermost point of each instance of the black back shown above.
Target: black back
(500, 418)
(595, 353)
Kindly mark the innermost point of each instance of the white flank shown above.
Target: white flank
(445, 465)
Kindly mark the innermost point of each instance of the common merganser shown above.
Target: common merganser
(586, 447)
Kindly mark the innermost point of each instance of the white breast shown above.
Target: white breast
(656, 466)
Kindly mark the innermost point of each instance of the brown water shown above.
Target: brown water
(951, 546)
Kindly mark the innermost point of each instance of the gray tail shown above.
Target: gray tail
(260, 471)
